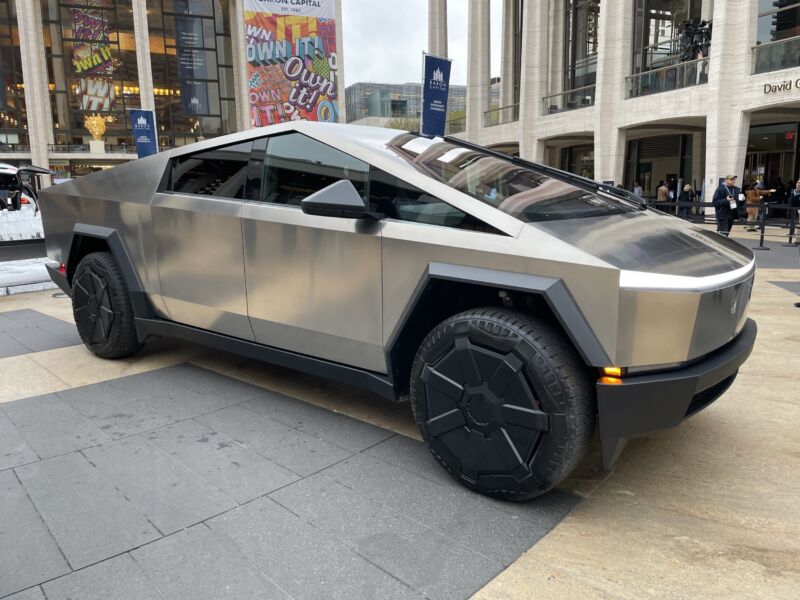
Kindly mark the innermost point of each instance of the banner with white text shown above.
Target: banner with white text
(291, 60)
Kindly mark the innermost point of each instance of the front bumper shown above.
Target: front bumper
(644, 403)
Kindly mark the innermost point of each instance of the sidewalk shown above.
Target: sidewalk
(27, 275)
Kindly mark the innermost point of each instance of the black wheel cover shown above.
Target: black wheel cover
(483, 418)
(94, 313)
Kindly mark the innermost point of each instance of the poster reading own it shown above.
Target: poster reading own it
(291, 60)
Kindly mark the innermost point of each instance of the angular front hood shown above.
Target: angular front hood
(651, 242)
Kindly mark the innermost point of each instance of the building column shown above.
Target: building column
(340, 83)
(534, 75)
(508, 71)
(727, 126)
(478, 63)
(141, 32)
(34, 74)
(437, 27)
(615, 26)
(244, 120)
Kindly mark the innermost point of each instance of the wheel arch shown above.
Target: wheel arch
(87, 239)
(475, 287)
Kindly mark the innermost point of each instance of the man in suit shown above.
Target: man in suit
(726, 204)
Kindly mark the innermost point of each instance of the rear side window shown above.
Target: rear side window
(220, 172)
(296, 166)
(397, 199)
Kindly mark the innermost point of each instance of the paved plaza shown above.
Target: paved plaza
(188, 473)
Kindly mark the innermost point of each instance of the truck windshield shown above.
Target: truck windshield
(512, 188)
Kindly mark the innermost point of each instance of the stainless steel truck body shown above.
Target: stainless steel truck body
(514, 304)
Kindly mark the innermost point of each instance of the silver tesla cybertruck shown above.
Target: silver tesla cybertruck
(516, 306)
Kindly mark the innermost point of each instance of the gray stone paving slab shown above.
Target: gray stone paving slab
(302, 560)
(429, 562)
(238, 471)
(196, 564)
(297, 451)
(11, 347)
(332, 427)
(413, 456)
(171, 496)
(455, 513)
(118, 578)
(51, 426)
(28, 553)
(180, 378)
(89, 518)
(114, 411)
(34, 593)
(26, 330)
(789, 286)
(14, 450)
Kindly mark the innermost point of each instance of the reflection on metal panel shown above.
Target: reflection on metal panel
(201, 264)
(314, 284)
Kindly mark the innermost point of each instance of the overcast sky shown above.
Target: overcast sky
(384, 41)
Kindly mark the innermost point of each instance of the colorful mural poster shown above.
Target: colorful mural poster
(91, 57)
(291, 60)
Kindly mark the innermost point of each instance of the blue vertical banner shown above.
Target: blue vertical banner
(435, 89)
(143, 125)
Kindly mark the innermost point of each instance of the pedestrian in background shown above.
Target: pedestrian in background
(794, 201)
(752, 203)
(662, 193)
(637, 189)
(726, 204)
(687, 196)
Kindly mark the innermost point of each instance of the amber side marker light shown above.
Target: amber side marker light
(612, 375)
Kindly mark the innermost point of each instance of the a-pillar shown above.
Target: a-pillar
(727, 126)
(534, 77)
(437, 27)
(141, 35)
(616, 27)
(34, 74)
(478, 74)
(508, 54)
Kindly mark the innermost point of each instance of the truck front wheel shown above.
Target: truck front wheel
(503, 401)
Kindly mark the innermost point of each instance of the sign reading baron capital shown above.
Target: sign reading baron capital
(291, 60)
(144, 132)
(435, 89)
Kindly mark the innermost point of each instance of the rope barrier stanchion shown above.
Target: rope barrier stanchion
(762, 214)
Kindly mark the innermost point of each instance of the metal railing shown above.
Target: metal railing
(667, 79)
(503, 114)
(73, 148)
(14, 148)
(457, 125)
(775, 56)
(658, 55)
(569, 100)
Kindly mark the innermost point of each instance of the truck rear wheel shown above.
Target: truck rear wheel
(503, 401)
(102, 308)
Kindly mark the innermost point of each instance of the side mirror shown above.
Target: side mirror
(339, 199)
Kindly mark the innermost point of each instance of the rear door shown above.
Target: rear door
(313, 283)
(198, 231)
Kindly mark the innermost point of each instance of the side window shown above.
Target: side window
(400, 200)
(220, 172)
(297, 166)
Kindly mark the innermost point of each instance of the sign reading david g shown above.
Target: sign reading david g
(291, 60)
(435, 89)
(144, 132)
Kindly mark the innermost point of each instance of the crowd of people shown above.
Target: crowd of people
(731, 202)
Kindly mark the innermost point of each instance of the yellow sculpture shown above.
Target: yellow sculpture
(96, 125)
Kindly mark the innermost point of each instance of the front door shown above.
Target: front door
(198, 230)
(313, 283)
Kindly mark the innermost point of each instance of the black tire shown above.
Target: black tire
(102, 308)
(503, 401)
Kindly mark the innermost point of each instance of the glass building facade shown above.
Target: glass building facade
(192, 65)
(13, 117)
(90, 51)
